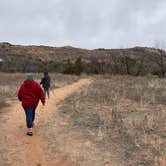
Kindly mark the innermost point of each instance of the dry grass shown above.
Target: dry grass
(127, 114)
(121, 118)
(10, 82)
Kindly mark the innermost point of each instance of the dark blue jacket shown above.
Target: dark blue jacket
(45, 82)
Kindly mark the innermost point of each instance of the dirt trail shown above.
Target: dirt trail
(16, 148)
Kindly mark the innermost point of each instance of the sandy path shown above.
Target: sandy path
(16, 148)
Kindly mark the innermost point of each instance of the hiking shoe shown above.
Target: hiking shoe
(29, 133)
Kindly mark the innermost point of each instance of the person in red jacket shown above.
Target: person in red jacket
(30, 92)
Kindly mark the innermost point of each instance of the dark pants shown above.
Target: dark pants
(46, 91)
(30, 116)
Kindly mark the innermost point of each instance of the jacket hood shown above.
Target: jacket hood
(28, 84)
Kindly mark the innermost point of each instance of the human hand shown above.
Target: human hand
(43, 108)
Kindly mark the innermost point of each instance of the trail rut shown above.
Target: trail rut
(17, 149)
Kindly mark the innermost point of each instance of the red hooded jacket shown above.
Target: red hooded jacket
(30, 93)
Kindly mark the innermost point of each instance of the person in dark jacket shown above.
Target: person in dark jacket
(30, 92)
(45, 82)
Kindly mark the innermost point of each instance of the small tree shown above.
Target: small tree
(68, 67)
(78, 68)
(161, 58)
(160, 61)
(140, 65)
(115, 64)
(127, 64)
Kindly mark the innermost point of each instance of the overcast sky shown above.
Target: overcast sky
(83, 23)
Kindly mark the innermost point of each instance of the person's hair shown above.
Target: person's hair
(45, 72)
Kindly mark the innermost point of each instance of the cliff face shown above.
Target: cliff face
(137, 60)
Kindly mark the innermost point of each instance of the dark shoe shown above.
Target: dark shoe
(29, 133)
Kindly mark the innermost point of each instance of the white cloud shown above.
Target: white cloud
(87, 24)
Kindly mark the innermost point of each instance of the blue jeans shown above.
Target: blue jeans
(30, 116)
